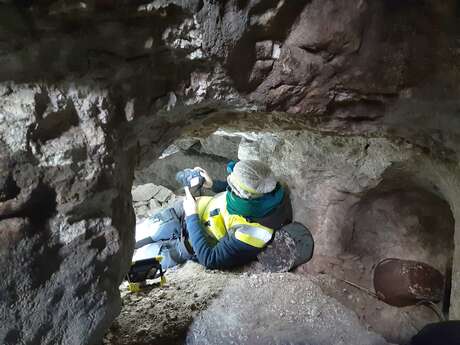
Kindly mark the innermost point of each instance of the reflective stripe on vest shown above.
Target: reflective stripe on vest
(217, 221)
(254, 235)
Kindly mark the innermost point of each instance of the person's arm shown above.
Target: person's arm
(228, 252)
(216, 186)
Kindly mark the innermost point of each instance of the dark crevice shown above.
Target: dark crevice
(54, 124)
(40, 207)
(46, 262)
(202, 112)
(81, 290)
(41, 103)
(397, 5)
(9, 91)
(358, 119)
(45, 259)
(10, 189)
(357, 110)
(313, 49)
(448, 289)
(12, 337)
(98, 243)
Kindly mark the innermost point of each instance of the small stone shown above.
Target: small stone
(140, 204)
(260, 70)
(141, 332)
(142, 211)
(163, 194)
(276, 51)
(154, 205)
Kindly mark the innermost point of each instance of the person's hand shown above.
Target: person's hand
(189, 203)
(207, 179)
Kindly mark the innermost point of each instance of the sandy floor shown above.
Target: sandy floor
(162, 315)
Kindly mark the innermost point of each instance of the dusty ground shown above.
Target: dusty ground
(232, 305)
(162, 315)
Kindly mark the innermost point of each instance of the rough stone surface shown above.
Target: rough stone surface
(278, 309)
(150, 198)
(65, 214)
(211, 153)
(159, 69)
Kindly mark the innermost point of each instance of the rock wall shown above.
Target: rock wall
(65, 214)
(372, 59)
(90, 89)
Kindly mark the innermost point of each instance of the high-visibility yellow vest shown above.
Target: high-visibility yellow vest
(217, 221)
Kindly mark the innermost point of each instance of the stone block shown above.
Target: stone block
(163, 194)
(154, 205)
(145, 192)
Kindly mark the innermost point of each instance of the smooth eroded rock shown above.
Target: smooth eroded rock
(278, 309)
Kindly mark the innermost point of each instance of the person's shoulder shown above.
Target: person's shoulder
(254, 234)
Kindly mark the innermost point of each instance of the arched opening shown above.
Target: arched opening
(364, 222)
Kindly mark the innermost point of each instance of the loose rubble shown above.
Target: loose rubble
(149, 198)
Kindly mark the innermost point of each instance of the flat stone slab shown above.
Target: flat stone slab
(145, 192)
